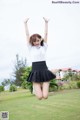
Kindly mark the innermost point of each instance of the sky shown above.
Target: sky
(63, 32)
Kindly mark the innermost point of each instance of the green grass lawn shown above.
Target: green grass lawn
(62, 105)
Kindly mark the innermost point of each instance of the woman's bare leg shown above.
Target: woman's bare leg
(45, 89)
(38, 90)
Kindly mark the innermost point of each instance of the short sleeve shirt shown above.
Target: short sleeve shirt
(37, 53)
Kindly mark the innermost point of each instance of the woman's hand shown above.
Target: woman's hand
(26, 20)
(46, 20)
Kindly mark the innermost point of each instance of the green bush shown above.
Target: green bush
(67, 85)
(72, 85)
(78, 84)
(30, 86)
(60, 85)
(53, 86)
(24, 85)
(1, 88)
(12, 88)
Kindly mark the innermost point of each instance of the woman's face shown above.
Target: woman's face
(37, 42)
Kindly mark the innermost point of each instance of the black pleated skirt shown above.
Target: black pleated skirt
(40, 73)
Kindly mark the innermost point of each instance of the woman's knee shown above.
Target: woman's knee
(40, 97)
(45, 96)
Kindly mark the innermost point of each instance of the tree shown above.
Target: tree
(20, 68)
(26, 84)
(6, 82)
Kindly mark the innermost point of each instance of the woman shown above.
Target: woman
(40, 76)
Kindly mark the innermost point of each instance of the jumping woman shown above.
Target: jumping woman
(40, 76)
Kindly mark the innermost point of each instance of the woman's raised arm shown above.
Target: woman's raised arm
(26, 29)
(46, 29)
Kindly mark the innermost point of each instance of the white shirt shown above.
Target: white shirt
(36, 53)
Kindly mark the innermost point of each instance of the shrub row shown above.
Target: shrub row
(59, 85)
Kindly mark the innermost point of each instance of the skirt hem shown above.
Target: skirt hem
(40, 73)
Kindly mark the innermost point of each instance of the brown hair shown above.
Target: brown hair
(34, 37)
